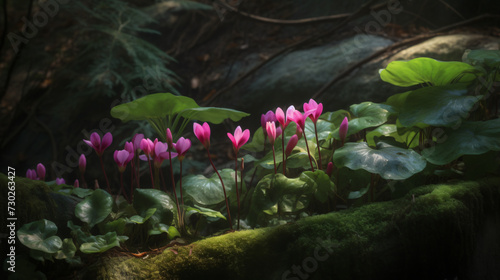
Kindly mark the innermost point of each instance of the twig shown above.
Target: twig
(452, 9)
(281, 21)
(397, 45)
(288, 48)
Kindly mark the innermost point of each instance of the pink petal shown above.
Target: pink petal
(160, 148)
(231, 137)
(170, 140)
(136, 140)
(144, 158)
(280, 116)
(89, 143)
(106, 141)
(96, 140)
(291, 144)
(122, 157)
(82, 163)
(182, 145)
(244, 138)
(40, 170)
(206, 127)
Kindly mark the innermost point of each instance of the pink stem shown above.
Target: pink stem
(223, 188)
(179, 216)
(151, 173)
(317, 143)
(308, 153)
(236, 185)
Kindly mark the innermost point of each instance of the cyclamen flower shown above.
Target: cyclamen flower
(31, 174)
(60, 181)
(170, 140)
(40, 170)
(121, 158)
(271, 132)
(291, 144)
(329, 169)
(182, 146)
(298, 118)
(95, 142)
(136, 140)
(82, 163)
(282, 119)
(147, 147)
(264, 118)
(202, 132)
(344, 126)
(129, 147)
(239, 139)
(76, 184)
(313, 110)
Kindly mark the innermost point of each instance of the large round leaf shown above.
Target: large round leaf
(388, 161)
(367, 114)
(425, 70)
(94, 208)
(102, 243)
(208, 191)
(146, 199)
(40, 235)
(152, 106)
(436, 106)
(324, 128)
(472, 138)
(212, 114)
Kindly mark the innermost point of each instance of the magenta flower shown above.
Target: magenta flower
(202, 133)
(95, 142)
(344, 126)
(271, 132)
(239, 139)
(147, 146)
(182, 146)
(264, 118)
(136, 140)
(76, 184)
(170, 140)
(31, 174)
(40, 170)
(82, 163)
(281, 118)
(129, 147)
(298, 118)
(313, 110)
(291, 144)
(121, 158)
(60, 181)
(329, 169)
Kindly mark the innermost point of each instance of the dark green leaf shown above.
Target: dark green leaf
(95, 208)
(102, 243)
(388, 161)
(68, 250)
(212, 114)
(208, 191)
(40, 235)
(145, 199)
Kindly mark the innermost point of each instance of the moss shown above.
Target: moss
(430, 233)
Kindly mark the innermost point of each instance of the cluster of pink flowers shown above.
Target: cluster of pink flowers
(39, 174)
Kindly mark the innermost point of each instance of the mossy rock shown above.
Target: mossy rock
(435, 232)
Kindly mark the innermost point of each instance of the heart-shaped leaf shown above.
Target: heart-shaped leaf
(490, 58)
(436, 106)
(212, 114)
(409, 137)
(40, 235)
(136, 219)
(153, 106)
(102, 243)
(67, 251)
(146, 199)
(208, 191)
(472, 138)
(94, 208)
(367, 114)
(429, 71)
(388, 161)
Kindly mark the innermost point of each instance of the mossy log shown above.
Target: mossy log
(435, 232)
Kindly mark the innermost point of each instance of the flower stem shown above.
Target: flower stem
(283, 148)
(122, 189)
(132, 171)
(223, 188)
(179, 217)
(308, 153)
(151, 173)
(274, 159)
(105, 175)
(319, 150)
(236, 185)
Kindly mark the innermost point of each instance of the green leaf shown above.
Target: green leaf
(152, 106)
(322, 185)
(324, 129)
(117, 225)
(425, 70)
(160, 228)
(206, 212)
(472, 138)
(409, 137)
(436, 106)
(257, 143)
(102, 243)
(40, 235)
(212, 114)
(67, 251)
(388, 161)
(82, 193)
(358, 194)
(490, 58)
(145, 199)
(136, 219)
(367, 114)
(208, 191)
(95, 208)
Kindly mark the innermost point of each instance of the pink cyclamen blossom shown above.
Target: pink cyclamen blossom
(170, 140)
(313, 110)
(76, 184)
(136, 140)
(182, 146)
(121, 158)
(40, 170)
(147, 146)
(31, 174)
(129, 147)
(98, 145)
(271, 132)
(82, 163)
(329, 169)
(291, 144)
(264, 118)
(202, 132)
(239, 138)
(60, 181)
(283, 119)
(298, 118)
(344, 126)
